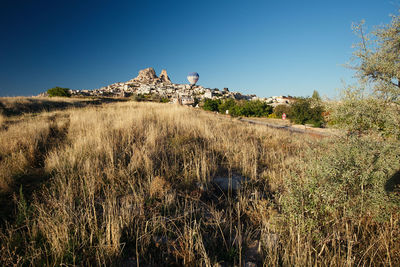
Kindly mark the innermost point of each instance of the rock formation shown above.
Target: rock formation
(164, 77)
(146, 76)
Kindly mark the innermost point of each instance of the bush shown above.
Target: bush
(306, 111)
(238, 108)
(254, 108)
(59, 91)
(280, 109)
(344, 184)
(211, 105)
(362, 114)
(227, 104)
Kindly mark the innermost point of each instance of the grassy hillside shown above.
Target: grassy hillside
(12, 106)
(142, 184)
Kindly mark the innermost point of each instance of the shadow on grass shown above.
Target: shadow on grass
(28, 183)
(393, 184)
(32, 105)
(34, 177)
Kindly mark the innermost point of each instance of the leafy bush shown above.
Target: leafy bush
(344, 184)
(59, 91)
(253, 108)
(211, 105)
(361, 113)
(227, 104)
(150, 97)
(280, 109)
(238, 108)
(306, 111)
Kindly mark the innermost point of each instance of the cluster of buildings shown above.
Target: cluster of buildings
(148, 83)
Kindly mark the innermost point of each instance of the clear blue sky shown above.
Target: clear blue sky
(261, 47)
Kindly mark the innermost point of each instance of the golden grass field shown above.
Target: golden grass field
(132, 184)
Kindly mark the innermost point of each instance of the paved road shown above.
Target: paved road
(289, 128)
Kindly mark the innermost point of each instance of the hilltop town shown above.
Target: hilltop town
(148, 83)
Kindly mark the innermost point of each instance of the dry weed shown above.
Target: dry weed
(135, 180)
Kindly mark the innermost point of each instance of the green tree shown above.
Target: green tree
(377, 62)
(227, 104)
(363, 113)
(377, 58)
(211, 105)
(305, 111)
(315, 96)
(280, 109)
(59, 91)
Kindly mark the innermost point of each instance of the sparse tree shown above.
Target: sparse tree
(377, 58)
(316, 96)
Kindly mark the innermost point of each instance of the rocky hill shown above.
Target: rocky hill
(147, 83)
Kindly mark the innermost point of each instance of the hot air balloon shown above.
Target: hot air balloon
(193, 78)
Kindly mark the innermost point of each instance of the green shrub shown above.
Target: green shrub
(227, 104)
(59, 91)
(211, 105)
(306, 111)
(280, 109)
(361, 113)
(238, 108)
(343, 185)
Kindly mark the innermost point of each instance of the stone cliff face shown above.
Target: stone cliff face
(164, 77)
(146, 76)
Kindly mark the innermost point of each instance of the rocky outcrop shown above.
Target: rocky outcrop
(146, 76)
(164, 77)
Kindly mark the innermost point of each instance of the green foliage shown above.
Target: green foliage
(139, 97)
(59, 91)
(196, 101)
(280, 109)
(316, 96)
(227, 104)
(377, 61)
(211, 105)
(150, 97)
(363, 113)
(164, 100)
(343, 185)
(306, 111)
(239, 108)
(377, 58)
(252, 109)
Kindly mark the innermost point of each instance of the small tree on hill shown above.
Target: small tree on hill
(316, 96)
(59, 91)
(377, 58)
(377, 62)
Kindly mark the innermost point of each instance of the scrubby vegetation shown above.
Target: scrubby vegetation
(307, 111)
(135, 183)
(302, 111)
(59, 91)
(150, 97)
(238, 108)
(15, 106)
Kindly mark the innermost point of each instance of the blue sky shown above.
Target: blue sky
(255, 47)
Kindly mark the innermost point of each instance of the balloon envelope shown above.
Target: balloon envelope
(193, 77)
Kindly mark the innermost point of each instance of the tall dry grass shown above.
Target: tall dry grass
(2, 119)
(132, 183)
(15, 106)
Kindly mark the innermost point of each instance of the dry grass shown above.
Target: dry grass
(14, 106)
(2, 120)
(132, 183)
